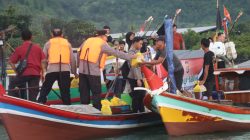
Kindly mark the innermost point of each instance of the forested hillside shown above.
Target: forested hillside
(121, 15)
(79, 18)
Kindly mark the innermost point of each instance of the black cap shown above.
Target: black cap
(101, 32)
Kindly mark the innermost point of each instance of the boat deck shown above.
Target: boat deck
(81, 109)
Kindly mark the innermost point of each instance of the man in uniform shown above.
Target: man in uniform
(93, 53)
(61, 62)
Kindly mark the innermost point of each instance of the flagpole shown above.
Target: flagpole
(217, 4)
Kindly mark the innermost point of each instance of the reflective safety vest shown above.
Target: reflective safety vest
(91, 51)
(59, 47)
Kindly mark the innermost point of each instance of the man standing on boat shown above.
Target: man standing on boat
(61, 62)
(179, 43)
(135, 78)
(93, 53)
(161, 58)
(33, 70)
(207, 77)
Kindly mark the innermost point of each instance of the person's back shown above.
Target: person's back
(33, 69)
(207, 77)
(61, 62)
(33, 60)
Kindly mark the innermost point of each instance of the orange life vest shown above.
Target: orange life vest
(59, 47)
(91, 51)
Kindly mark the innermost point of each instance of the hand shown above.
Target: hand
(134, 56)
(146, 53)
(42, 77)
(139, 83)
(76, 76)
(201, 82)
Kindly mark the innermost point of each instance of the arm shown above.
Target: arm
(44, 67)
(72, 61)
(110, 51)
(15, 57)
(155, 62)
(45, 51)
(78, 55)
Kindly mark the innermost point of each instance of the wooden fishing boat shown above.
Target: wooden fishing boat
(32, 121)
(234, 83)
(183, 115)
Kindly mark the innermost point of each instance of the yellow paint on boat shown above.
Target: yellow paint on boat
(175, 115)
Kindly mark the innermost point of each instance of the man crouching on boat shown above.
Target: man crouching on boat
(93, 53)
(207, 77)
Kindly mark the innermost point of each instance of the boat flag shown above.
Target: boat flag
(153, 80)
(218, 18)
(227, 14)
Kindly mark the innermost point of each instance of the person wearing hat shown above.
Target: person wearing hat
(61, 62)
(92, 56)
(160, 57)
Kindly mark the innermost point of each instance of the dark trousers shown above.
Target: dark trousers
(20, 82)
(91, 83)
(209, 86)
(63, 79)
(178, 75)
(137, 96)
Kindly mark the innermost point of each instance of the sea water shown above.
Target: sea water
(158, 133)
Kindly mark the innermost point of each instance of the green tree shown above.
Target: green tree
(49, 25)
(192, 39)
(76, 31)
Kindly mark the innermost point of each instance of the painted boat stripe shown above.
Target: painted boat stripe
(176, 104)
(15, 110)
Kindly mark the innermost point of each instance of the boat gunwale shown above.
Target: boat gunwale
(68, 114)
(210, 105)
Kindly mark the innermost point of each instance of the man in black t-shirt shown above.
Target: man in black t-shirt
(161, 58)
(207, 77)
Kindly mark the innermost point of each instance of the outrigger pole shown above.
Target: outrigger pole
(235, 21)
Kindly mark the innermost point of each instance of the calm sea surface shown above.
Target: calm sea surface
(158, 133)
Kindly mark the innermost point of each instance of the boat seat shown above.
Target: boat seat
(82, 109)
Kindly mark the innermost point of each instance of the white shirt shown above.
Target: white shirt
(218, 48)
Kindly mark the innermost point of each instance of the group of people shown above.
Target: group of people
(56, 62)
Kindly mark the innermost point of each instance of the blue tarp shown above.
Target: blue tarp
(168, 24)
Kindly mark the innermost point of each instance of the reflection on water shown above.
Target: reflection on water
(158, 133)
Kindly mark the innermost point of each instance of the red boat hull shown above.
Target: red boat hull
(38, 129)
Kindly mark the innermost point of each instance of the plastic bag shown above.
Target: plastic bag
(75, 83)
(106, 110)
(117, 102)
(199, 88)
(136, 61)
